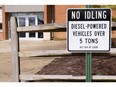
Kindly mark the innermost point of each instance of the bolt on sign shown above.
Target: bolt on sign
(88, 30)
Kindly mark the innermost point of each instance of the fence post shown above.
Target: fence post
(15, 49)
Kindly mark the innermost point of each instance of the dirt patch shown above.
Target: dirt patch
(75, 65)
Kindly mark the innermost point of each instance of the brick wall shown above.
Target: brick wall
(47, 14)
(4, 33)
(1, 36)
(5, 24)
(114, 13)
(1, 33)
(60, 17)
(113, 33)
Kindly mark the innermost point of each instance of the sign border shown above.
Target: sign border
(93, 51)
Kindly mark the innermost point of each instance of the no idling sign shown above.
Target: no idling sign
(88, 30)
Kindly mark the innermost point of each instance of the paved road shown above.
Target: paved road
(28, 65)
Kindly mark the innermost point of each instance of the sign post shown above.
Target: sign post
(88, 31)
(88, 67)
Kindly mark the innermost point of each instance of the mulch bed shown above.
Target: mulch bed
(75, 65)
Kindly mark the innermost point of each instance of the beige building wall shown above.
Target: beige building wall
(28, 9)
(24, 8)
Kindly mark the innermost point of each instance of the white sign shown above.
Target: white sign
(89, 30)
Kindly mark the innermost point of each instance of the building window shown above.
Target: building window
(30, 19)
(22, 24)
(40, 21)
(40, 18)
(0, 19)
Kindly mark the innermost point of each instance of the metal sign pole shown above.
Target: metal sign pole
(88, 62)
(88, 67)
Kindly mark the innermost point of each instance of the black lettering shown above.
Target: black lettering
(80, 40)
(73, 26)
(75, 33)
(96, 26)
(99, 33)
(84, 33)
(91, 40)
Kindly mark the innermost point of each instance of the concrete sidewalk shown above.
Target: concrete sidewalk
(5, 46)
(28, 65)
